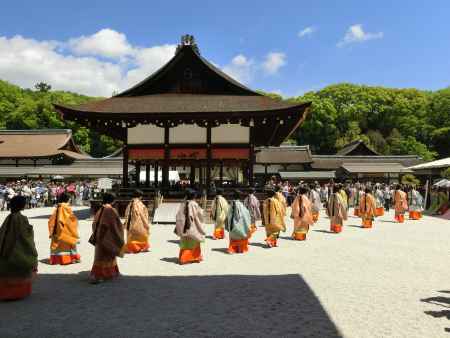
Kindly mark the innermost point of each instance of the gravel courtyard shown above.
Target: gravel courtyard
(389, 281)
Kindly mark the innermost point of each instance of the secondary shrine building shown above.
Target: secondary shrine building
(189, 114)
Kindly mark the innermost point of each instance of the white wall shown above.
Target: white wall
(187, 133)
(230, 133)
(146, 134)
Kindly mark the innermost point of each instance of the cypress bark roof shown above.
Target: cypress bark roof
(41, 143)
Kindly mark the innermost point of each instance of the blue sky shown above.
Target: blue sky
(97, 47)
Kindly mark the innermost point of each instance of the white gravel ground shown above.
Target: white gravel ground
(389, 281)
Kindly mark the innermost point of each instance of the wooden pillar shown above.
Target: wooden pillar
(192, 176)
(200, 175)
(156, 176)
(147, 174)
(165, 169)
(138, 173)
(252, 159)
(265, 173)
(221, 173)
(125, 167)
(208, 158)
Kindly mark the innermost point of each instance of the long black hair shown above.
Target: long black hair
(301, 191)
(190, 195)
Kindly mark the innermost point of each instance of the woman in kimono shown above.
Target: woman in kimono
(108, 239)
(252, 204)
(238, 225)
(274, 213)
(314, 197)
(189, 227)
(18, 255)
(367, 208)
(379, 201)
(400, 204)
(357, 200)
(63, 232)
(302, 214)
(137, 225)
(415, 202)
(219, 212)
(280, 197)
(336, 210)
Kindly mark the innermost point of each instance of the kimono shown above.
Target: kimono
(108, 239)
(137, 226)
(315, 204)
(358, 195)
(344, 198)
(337, 212)
(252, 204)
(434, 203)
(442, 202)
(219, 212)
(379, 202)
(63, 232)
(238, 225)
(367, 209)
(280, 197)
(400, 205)
(190, 239)
(415, 202)
(303, 217)
(274, 213)
(18, 257)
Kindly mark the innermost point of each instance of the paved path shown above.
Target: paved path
(389, 281)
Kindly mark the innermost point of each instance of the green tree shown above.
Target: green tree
(42, 87)
(446, 173)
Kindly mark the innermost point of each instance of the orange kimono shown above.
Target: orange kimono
(303, 217)
(400, 205)
(107, 237)
(219, 212)
(337, 212)
(274, 213)
(63, 232)
(137, 226)
(367, 208)
(280, 197)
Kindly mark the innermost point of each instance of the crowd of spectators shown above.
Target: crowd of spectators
(44, 194)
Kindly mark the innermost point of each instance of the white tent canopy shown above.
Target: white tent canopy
(173, 176)
(442, 163)
(443, 183)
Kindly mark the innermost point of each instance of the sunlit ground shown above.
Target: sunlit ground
(389, 281)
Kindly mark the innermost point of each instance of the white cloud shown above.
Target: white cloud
(273, 62)
(147, 61)
(106, 42)
(240, 68)
(306, 31)
(355, 34)
(27, 61)
(103, 63)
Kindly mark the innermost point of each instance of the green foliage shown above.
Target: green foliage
(410, 179)
(391, 121)
(27, 109)
(446, 173)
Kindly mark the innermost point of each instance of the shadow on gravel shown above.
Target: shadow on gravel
(175, 306)
(325, 231)
(440, 301)
(82, 214)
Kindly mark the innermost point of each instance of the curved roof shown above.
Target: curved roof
(41, 143)
(187, 58)
(183, 103)
(189, 89)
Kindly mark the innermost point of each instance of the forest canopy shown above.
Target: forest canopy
(391, 121)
